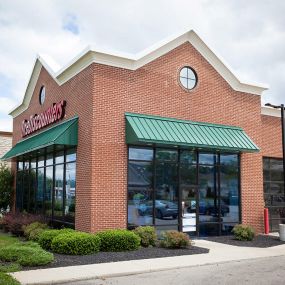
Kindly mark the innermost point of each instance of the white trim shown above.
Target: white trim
(268, 111)
(91, 55)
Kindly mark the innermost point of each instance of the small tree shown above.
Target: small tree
(6, 186)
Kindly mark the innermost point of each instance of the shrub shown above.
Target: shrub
(26, 254)
(7, 279)
(6, 186)
(33, 230)
(243, 232)
(45, 238)
(119, 240)
(174, 239)
(11, 267)
(15, 222)
(76, 243)
(147, 234)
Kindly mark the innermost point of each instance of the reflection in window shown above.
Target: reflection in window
(58, 192)
(70, 187)
(273, 187)
(41, 187)
(140, 154)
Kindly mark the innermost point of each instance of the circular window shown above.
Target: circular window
(42, 95)
(188, 77)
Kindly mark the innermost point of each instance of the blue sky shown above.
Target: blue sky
(249, 35)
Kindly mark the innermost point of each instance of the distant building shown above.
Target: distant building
(5, 143)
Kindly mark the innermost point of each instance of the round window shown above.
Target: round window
(188, 78)
(42, 95)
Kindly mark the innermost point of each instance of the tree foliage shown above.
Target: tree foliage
(6, 186)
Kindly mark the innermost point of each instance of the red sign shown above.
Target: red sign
(36, 122)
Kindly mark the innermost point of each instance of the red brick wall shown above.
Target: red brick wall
(271, 136)
(101, 94)
(78, 94)
(154, 89)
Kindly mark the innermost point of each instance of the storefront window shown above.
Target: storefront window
(203, 187)
(69, 207)
(274, 195)
(46, 185)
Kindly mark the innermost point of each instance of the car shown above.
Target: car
(163, 209)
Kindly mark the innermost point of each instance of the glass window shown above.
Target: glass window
(229, 159)
(140, 174)
(49, 160)
(34, 162)
(71, 155)
(187, 156)
(188, 77)
(70, 187)
(48, 191)
(140, 207)
(166, 199)
(41, 161)
(40, 191)
(58, 192)
(208, 194)
(20, 165)
(59, 158)
(229, 192)
(140, 153)
(207, 158)
(33, 188)
(166, 155)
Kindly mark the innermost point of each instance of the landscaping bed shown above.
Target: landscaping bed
(61, 260)
(261, 241)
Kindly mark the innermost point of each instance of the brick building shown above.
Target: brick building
(169, 137)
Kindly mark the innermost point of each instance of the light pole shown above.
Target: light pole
(283, 134)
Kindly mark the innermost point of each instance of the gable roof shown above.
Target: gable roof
(91, 55)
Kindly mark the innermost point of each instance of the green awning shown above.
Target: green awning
(144, 129)
(65, 133)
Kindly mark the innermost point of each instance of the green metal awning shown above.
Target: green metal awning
(144, 129)
(65, 133)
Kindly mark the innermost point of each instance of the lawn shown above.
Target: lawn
(15, 253)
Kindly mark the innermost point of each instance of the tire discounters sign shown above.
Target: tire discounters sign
(38, 121)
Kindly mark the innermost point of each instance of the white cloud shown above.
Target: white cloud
(250, 35)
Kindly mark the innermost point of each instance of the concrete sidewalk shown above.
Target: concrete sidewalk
(219, 253)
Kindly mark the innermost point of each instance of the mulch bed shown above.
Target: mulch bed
(61, 260)
(105, 257)
(261, 241)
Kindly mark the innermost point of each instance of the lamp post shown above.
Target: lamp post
(283, 134)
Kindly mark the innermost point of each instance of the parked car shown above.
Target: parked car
(163, 209)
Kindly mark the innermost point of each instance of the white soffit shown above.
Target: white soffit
(268, 111)
(91, 55)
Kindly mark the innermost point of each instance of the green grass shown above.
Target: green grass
(22, 253)
(6, 279)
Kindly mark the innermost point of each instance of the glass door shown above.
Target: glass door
(188, 192)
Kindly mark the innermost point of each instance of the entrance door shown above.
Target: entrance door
(189, 210)
(188, 192)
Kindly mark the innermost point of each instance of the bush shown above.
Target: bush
(147, 234)
(6, 186)
(26, 254)
(45, 238)
(33, 230)
(7, 279)
(11, 267)
(76, 243)
(174, 239)
(243, 232)
(119, 240)
(15, 222)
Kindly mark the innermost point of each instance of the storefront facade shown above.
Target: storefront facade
(171, 139)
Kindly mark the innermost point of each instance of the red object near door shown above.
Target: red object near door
(266, 221)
